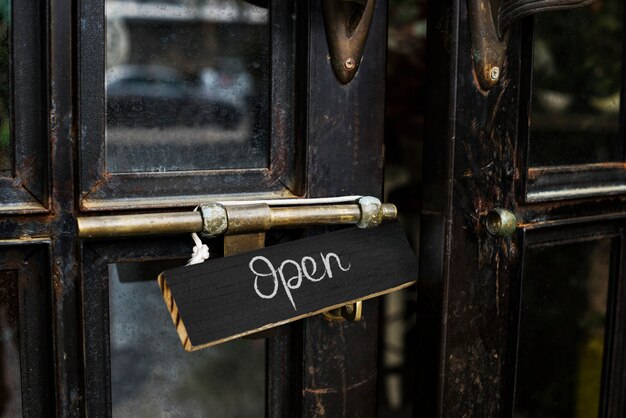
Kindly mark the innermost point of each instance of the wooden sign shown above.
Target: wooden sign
(231, 297)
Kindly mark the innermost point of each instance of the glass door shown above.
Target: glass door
(521, 291)
(136, 107)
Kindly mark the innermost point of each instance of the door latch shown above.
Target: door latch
(490, 21)
(244, 224)
(242, 217)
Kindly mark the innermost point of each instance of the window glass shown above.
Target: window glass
(6, 148)
(151, 374)
(187, 85)
(577, 69)
(562, 330)
(10, 383)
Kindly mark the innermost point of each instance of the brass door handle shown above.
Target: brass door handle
(347, 25)
(232, 218)
(490, 21)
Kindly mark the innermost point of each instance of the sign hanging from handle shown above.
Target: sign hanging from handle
(231, 297)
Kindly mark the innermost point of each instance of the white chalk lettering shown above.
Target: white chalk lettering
(272, 273)
(326, 261)
(311, 274)
(262, 268)
(289, 285)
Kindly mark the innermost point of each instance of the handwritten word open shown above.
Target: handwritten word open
(306, 268)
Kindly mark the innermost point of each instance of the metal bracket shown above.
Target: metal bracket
(490, 21)
(347, 25)
(351, 312)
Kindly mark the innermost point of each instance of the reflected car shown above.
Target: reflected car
(228, 81)
(151, 96)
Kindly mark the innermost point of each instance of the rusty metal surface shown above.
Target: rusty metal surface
(465, 272)
(488, 46)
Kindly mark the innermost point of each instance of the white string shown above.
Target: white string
(290, 202)
(200, 251)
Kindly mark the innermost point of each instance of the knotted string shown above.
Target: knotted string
(200, 251)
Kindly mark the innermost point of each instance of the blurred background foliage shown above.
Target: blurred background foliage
(404, 122)
(571, 60)
(577, 72)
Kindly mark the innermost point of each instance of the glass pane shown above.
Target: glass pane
(151, 374)
(187, 85)
(576, 86)
(561, 341)
(10, 384)
(6, 149)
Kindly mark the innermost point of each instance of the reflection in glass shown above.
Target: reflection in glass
(10, 384)
(576, 86)
(6, 151)
(151, 374)
(562, 326)
(187, 85)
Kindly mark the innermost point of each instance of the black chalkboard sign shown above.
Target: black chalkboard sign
(230, 297)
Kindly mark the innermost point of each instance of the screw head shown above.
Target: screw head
(349, 64)
(494, 73)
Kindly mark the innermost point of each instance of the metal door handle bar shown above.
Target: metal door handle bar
(490, 21)
(231, 218)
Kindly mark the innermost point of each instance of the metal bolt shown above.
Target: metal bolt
(494, 73)
(214, 219)
(501, 223)
(371, 212)
(349, 64)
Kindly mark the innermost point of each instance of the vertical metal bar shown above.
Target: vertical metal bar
(64, 261)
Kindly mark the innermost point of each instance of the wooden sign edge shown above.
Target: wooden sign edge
(189, 347)
(175, 315)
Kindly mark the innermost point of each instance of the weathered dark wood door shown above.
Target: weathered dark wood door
(529, 324)
(124, 106)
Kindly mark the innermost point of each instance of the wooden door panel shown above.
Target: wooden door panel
(471, 137)
(344, 155)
